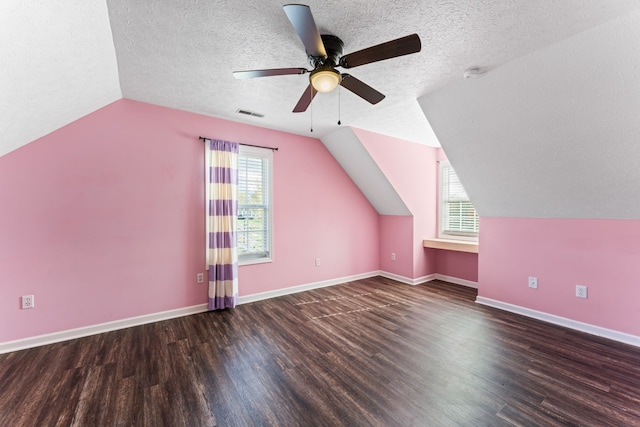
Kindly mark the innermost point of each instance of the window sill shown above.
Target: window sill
(451, 245)
(253, 261)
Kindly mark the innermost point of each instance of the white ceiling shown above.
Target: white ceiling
(58, 57)
(57, 64)
(553, 134)
(345, 146)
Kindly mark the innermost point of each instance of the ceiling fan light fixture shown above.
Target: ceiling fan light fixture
(325, 79)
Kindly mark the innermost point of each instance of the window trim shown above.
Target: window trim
(266, 153)
(462, 236)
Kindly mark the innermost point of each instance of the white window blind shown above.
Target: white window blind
(254, 204)
(458, 217)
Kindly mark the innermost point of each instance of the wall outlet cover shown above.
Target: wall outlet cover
(28, 301)
(581, 291)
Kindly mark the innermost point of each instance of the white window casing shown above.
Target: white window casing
(255, 213)
(458, 218)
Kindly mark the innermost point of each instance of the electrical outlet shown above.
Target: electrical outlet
(28, 301)
(393, 256)
(581, 291)
(533, 282)
(317, 262)
(200, 278)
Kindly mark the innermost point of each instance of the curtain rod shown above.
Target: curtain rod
(202, 138)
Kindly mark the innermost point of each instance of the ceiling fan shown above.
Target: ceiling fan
(325, 54)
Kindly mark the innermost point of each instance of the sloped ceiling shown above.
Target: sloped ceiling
(552, 134)
(182, 54)
(57, 64)
(345, 146)
(58, 58)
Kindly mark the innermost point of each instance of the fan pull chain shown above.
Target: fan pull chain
(311, 105)
(339, 98)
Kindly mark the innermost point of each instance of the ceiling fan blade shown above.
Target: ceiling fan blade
(391, 49)
(302, 20)
(361, 89)
(305, 99)
(270, 72)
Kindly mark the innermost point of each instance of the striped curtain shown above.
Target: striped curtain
(222, 253)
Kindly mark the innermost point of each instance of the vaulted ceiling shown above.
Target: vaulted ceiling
(553, 134)
(62, 60)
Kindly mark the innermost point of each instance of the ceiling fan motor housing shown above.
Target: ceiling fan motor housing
(333, 46)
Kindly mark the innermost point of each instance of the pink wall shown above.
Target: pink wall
(396, 236)
(103, 219)
(319, 213)
(411, 169)
(461, 265)
(563, 253)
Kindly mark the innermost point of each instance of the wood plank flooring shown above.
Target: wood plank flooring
(368, 353)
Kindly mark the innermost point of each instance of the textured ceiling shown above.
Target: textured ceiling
(58, 59)
(182, 54)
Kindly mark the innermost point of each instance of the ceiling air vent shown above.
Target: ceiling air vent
(249, 113)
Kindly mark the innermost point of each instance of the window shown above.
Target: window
(458, 217)
(254, 205)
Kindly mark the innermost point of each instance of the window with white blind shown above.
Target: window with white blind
(458, 217)
(254, 205)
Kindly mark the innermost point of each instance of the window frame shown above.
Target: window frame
(267, 154)
(442, 234)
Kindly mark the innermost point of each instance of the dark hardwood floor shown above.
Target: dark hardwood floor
(368, 353)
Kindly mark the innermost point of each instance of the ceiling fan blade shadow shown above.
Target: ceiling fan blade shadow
(305, 100)
(391, 49)
(361, 89)
(250, 74)
(304, 24)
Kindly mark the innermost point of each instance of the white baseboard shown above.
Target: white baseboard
(21, 344)
(456, 281)
(429, 278)
(306, 287)
(562, 321)
(407, 280)
(71, 334)
(55, 337)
